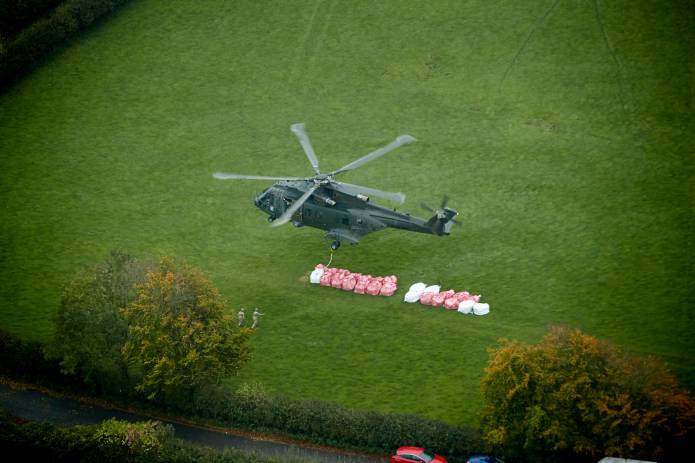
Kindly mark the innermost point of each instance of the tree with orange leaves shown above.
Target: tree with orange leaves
(179, 334)
(573, 397)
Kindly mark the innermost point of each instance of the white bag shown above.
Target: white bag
(316, 276)
(466, 306)
(411, 297)
(417, 288)
(434, 289)
(481, 309)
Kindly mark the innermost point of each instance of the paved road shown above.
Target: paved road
(37, 406)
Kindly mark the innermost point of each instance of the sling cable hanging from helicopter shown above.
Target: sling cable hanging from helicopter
(331, 259)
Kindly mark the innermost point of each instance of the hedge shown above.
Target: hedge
(16, 15)
(111, 441)
(332, 424)
(32, 44)
(26, 360)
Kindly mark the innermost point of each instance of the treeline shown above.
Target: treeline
(156, 333)
(31, 29)
(112, 440)
(253, 409)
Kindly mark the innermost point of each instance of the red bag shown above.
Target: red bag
(361, 284)
(451, 303)
(388, 289)
(337, 280)
(439, 299)
(349, 282)
(426, 298)
(373, 287)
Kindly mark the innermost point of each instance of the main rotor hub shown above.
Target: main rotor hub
(322, 179)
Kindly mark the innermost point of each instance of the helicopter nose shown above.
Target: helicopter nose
(259, 197)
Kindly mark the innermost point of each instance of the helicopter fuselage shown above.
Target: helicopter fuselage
(345, 217)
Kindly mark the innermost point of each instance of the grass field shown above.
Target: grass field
(561, 130)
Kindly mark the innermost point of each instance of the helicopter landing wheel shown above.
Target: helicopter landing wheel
(335, 245)
(271, 219)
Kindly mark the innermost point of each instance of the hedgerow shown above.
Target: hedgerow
(33, 43)
(113, 440)
(16, 15)
(332, 424)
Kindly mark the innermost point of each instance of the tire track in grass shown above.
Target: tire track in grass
(539, 20)
(301, 47)
(322, 35)
(611, 50)
(311, 50)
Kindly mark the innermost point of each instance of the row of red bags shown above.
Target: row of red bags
(449, 299)
(356, 282)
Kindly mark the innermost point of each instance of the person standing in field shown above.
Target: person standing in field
(256, 317)
(242, 317)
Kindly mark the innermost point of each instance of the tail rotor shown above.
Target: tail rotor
(443, 218)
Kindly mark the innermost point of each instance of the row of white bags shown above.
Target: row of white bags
(461, 301)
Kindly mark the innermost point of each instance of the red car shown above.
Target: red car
(416, 454)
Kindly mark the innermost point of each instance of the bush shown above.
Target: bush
(146, 439)
(45, 442)
(25, 360)
(28, 48)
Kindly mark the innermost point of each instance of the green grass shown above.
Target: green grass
(562, 131)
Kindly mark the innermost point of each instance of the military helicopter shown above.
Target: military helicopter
(342, 209)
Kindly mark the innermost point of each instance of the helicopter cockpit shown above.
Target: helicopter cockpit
(264, 201)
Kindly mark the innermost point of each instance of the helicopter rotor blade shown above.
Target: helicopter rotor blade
(287, 215)
(299, 131)
(401, 140)
(397, 197)
(227, 176)
(427, 208)
(445, 200)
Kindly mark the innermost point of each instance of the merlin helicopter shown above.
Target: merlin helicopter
(342, 209)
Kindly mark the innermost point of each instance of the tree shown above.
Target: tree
(572, 396)
(90, 331)
(179, 334)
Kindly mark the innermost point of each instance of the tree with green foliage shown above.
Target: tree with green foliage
(90, 331)
(572, 396)
(179, 333)
(145, 438)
